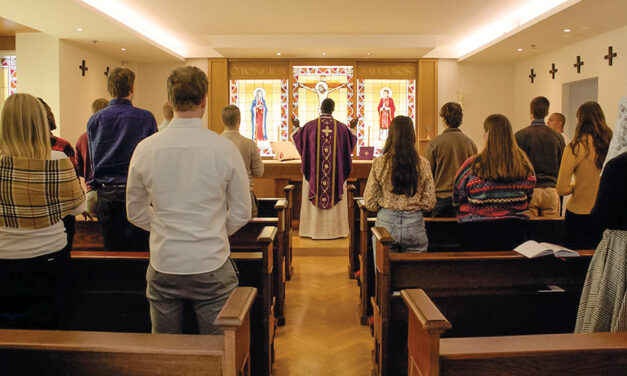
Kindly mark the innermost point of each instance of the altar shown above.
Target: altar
(278, 174)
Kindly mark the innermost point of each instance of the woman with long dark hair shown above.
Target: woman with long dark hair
(583, 158)
(493, 190)
(400, 187)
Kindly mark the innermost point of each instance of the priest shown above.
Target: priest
(325, 146)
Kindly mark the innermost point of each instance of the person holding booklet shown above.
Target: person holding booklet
(603, 305)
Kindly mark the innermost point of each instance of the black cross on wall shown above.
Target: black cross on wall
(106, 73)
(578, 64)
(83, 67)
(553, 70)
(610, 55)
(532, 75)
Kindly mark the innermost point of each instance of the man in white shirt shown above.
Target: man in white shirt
(190, 189)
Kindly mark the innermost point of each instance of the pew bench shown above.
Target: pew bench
(42, 352)
(484, 293)
(109, 292)
(541, 355)
(444, 235)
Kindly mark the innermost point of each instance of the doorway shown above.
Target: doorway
(574, 94)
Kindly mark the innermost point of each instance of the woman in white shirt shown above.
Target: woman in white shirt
(38, 187)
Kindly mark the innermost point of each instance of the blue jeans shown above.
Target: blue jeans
(407, 228)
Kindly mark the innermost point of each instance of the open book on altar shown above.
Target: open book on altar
(532, 249)
(284, 150)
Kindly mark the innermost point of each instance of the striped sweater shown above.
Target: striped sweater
(483, 200)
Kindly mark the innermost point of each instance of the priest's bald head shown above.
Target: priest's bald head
(327, 106)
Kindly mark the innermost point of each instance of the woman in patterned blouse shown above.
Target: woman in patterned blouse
(400, 187)
(493, 190)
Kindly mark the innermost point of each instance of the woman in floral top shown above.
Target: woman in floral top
(493, 190)
(400, 187)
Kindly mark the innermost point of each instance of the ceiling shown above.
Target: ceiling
(8, 28)
(314, 29)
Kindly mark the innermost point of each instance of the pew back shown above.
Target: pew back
(41, 352)
(553, 354)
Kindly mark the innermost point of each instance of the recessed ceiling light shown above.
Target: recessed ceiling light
(79, 29)
(324, 54)
(123, 49)
(567, 30)
(519, 50)
(368, 53)
(278, 54)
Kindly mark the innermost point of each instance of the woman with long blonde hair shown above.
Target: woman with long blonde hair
(583, 158)
(39, 187)
(493, 190)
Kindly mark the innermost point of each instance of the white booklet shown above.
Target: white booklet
(532, 248)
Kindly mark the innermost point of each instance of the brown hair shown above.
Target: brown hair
(99, 104)
(120, 82)
(52, 124)
(561, 117)
(452, 114)
(24, 129)
(501, 158)
(231, 116)
(187, 86)
(327, 106)
(591, 121)
(539, 107)
(400, 150)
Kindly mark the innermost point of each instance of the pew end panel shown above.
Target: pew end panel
(289, 196)
(234, 319)
(353, 216)
(425, 325)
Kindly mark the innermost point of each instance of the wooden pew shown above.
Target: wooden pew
(41, 352)
(444, 236)
(109, 292)
(485, 293)
(542, 355)
(267, 208)
(353, 224)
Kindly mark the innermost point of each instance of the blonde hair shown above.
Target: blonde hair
(24, 128)
(99, 104)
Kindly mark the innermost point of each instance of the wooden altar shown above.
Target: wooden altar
(278, 174)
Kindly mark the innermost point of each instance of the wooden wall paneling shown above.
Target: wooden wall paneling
(218, 95)
(7, 43)
(427, 102)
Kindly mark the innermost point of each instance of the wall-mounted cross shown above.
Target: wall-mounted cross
(106, 73)
(532, 75)
(553, 70)
(578, 64)
(83, 67)
(610, 55)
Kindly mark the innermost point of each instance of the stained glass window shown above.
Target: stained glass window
(378, 101)
(8, 77)
(312, 84)
(263, 105)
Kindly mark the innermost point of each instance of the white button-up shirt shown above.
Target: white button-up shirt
(199, 190)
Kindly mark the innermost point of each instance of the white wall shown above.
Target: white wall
(484, 89)
(37, 57)
(612, 80)
(77, 92)
(150, 86)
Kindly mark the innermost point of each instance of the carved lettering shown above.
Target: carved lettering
(400, 71)
(239, 70)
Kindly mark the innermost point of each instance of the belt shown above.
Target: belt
(112, 185)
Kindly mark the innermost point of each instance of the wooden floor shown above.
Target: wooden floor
(322, 335)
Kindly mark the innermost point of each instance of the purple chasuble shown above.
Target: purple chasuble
(325, 146)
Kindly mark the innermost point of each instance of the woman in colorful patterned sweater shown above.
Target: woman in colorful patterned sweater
(493, 188)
